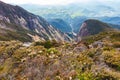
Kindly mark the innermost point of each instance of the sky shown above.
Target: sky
(56, 2)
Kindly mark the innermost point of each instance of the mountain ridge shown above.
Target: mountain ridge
(92, 27)
(61, 25)
(28, 21)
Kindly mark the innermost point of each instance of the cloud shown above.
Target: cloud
(42, 2)
(55, 2)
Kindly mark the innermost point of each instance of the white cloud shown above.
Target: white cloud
(55, 2)
(42, 2)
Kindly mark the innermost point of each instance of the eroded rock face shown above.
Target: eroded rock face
(28, 21)
(83, 30)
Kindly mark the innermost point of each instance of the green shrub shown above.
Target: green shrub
(52, 51)
(47, 44)
(107, 48)
(86, 76)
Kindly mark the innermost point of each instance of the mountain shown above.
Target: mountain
(61, 25)
(15, 19)
(115, 26)
(76, 13)
(75, 9)
(95, 57)
(112, 21)
(92, 27)
(77, 22)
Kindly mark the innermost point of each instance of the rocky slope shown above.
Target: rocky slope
(92, 27)
(17, 16)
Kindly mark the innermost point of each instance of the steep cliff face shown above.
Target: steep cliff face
(92, 27)
(17, 16)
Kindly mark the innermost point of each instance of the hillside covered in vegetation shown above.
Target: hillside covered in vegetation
(94, 58)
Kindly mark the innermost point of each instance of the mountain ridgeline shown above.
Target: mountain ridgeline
(19, 24)
(14, 20)
(92, 27)
(61, 25)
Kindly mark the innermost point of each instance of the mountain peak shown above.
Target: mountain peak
(92, 27)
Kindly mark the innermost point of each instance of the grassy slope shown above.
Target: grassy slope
(114, 35)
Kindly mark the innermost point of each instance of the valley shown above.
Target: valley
(60, 42)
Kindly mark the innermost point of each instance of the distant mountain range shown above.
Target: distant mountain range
(76, 14)
(74, 10)
(61, 25)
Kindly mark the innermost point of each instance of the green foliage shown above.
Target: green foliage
(52, 51)
(47, 44)
(106, 48)
(114, 36)
(86, 76)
